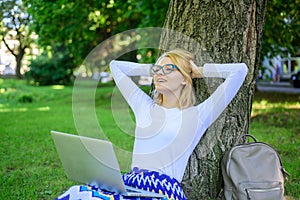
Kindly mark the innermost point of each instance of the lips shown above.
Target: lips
(160, 80)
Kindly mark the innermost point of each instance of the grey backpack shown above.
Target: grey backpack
(252, 171)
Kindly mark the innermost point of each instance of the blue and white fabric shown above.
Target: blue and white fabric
(138, 178)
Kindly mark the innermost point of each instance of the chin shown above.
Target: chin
(160, 89)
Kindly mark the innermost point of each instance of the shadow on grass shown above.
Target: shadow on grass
(276, 97)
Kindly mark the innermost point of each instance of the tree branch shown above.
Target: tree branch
(9, 49)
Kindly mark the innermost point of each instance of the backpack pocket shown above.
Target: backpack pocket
(263, 190)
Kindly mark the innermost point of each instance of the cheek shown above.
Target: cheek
(179, 79)
(176, 83)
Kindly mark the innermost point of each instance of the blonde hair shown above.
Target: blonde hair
(181, 58)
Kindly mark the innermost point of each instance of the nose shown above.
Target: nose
(160, 72)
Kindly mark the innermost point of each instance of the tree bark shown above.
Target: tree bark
(19, 58)
(225, 31)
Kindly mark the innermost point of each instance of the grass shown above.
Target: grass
(31, 169)
(275, 120)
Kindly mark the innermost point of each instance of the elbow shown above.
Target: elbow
(244, 69)
(112, 65)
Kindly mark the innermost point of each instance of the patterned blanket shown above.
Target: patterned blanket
(138, 178)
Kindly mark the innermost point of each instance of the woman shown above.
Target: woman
(170, 125)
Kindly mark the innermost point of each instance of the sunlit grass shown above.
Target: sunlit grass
(58, 87)
(30, 167)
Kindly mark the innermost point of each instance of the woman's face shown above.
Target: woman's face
(171, 83)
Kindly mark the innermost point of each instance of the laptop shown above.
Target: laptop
(93, 161)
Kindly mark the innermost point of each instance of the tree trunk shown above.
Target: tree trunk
(221, 32)
(18, 66)
(19, 58)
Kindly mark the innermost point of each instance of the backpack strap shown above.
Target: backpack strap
(244, 135)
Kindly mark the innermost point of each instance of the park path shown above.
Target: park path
(284, 87)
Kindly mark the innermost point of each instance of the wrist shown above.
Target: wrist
(197, 73)
(200, 72)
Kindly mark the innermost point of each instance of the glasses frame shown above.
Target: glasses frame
(163, 67)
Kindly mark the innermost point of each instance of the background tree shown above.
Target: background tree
(15, 27)
(282, 28)
(227, 31)
(80, 26)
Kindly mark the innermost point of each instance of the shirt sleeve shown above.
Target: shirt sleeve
(234, 75)
(137, 99)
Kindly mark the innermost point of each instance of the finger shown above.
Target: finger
(193, 64)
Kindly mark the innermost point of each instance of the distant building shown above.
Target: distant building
(7, 61)
(279, 68)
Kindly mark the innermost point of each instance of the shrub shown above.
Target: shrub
(50, 71)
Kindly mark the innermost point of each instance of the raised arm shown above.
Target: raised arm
(121, 71)
(234, 75)
(125, 68)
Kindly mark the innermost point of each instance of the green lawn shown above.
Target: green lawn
(30, 167)
(275, 120)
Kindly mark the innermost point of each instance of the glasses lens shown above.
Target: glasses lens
(168, 68)
(155, 68)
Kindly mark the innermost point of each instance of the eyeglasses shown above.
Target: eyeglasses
(166, 69)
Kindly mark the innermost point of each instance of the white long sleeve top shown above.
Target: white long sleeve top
(166, 137)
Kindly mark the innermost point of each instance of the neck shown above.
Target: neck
(170, 101)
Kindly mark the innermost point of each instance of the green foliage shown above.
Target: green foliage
(82, 25)
(47, 70)
(14, 17)
(282, 28)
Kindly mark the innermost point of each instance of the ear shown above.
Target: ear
(184, 82)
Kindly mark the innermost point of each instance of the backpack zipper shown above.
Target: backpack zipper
(260, 190)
